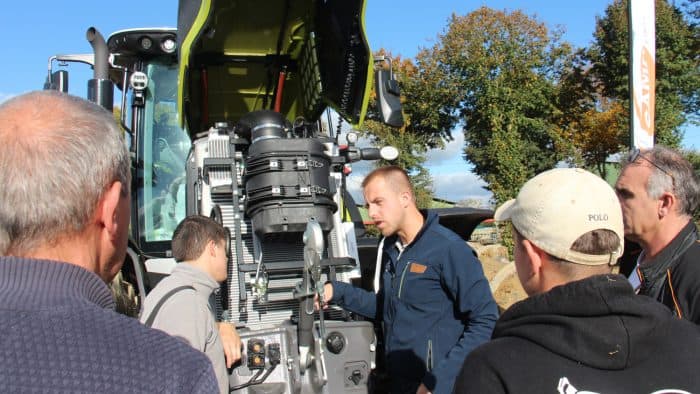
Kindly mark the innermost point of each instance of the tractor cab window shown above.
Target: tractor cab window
(163, 152)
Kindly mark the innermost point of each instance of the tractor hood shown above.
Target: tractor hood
(297, 56)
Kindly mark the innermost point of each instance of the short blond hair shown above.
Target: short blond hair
(395, 176)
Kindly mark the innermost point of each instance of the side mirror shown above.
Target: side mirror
(388, 98)
(392, 87)
(57, 81)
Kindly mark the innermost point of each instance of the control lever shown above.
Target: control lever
(352, 153)
(386, 153)
(308, 288)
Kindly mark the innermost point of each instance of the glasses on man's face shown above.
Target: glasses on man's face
(637, 153)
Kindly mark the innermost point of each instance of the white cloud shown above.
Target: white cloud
(451, 154)
(453, 179)
(456, 186)
(452, 176)
(5, 96)
(354, 180)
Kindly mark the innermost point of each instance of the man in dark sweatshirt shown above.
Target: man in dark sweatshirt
(64, 219)
(432, 299)
(582, 329)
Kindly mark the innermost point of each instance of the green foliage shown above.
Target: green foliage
(117, 114)
(422, 188)
(693, 156)
(524, 101)
(677, 62)
(594, 126)
(412, 150)
(411, 142)
(494, 74)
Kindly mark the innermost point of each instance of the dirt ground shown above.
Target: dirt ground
(501, 274)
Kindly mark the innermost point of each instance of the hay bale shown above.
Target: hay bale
(501, 274)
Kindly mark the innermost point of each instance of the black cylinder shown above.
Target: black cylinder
(99, 47)
(287, 180)
(261, 125)
(100, 88)
(287, 183)
(305, 334)
(101, 92)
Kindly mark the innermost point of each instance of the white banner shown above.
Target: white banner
(643, 70)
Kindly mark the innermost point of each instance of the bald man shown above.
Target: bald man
(64, 220)
(431, 296)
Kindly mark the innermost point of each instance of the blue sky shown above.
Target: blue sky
(33, 31)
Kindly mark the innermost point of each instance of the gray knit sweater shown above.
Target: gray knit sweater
(59, 333)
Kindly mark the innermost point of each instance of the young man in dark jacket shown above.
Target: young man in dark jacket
(434, 302)
(658, 192)
(582, 329)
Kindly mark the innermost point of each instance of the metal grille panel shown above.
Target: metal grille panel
(280, 305)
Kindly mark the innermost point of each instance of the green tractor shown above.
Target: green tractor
(230, 116)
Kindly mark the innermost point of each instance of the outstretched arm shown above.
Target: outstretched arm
(351, 298)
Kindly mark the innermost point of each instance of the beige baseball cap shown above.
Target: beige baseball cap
(556, 207)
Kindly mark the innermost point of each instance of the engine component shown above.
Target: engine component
(256, 354)
(335, 342)
(215, 181)
(287, 181)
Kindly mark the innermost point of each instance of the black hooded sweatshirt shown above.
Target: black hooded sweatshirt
(595, 336)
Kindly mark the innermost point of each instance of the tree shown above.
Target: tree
(677, 61)
(494, 73)
(412, 156)
(693, 156)
(471, 203)
(594, 125)
(601, 132)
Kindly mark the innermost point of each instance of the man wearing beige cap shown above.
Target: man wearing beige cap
(582, 329)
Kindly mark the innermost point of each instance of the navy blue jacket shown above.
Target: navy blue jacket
(435, 305)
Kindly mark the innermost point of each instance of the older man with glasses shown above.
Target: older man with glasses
(659, 191)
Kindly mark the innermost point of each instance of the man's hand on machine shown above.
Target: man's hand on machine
(231, 341)
(327, 296)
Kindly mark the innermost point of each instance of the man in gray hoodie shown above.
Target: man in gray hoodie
(181, 304)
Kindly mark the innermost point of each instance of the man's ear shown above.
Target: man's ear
(211, 248)
(535, 257)
(405, 198)
(109, 209)
(666, 203)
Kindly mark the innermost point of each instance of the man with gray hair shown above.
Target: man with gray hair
(659, 191)
(64, 218)
(582, 329)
